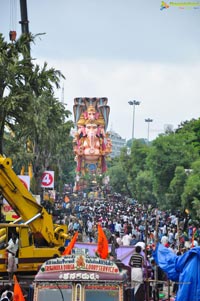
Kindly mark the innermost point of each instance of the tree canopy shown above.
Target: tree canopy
(165, 172)
(34, 124)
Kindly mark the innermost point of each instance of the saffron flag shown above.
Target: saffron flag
(102, 244)
(68, 249)
(18, 295)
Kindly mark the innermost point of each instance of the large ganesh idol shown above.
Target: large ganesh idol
(91, 142)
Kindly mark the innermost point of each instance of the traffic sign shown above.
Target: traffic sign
(47, 180)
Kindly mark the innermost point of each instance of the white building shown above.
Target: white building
(117, 143)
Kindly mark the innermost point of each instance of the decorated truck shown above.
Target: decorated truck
(81, 277)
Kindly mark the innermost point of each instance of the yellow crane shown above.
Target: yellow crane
(39, 237)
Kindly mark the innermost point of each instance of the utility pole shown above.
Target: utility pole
(148, 120)
(24, 23)
(24, 17)
(133, 103)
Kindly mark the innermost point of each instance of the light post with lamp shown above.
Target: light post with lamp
(148, 120)
(133, 103)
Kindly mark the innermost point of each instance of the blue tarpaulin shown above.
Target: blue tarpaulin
(184, 269)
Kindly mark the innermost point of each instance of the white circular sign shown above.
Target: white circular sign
(47, 179)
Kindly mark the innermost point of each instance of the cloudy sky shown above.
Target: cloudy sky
(120, 49)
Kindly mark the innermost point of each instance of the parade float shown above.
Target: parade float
(91, 141)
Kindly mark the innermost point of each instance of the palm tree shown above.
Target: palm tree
(28, 107)
(15, 63)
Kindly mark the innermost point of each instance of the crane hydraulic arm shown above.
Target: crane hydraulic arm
(25, 205)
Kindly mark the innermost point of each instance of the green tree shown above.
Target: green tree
(13, 99)
(176, 188)
(168, 152)
(134, 163)
(118, 179)
(63, 157)
(128, 165)
(43, 137)
(191, 194)
(31, 115)
(192, 127)
(144, 188)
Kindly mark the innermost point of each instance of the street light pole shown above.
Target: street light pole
(148, 120)
(133, 103)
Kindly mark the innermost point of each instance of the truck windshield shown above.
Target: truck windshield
(100, 294)
(54, 293)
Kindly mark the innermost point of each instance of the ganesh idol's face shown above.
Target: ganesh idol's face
(91, 129)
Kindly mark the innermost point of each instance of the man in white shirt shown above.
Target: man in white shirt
(118, 227)
(126, 239)
(12, 249)
(90, 225)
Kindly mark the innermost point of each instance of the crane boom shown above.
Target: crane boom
(26, 206)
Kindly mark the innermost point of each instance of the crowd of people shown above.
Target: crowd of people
(129, 223)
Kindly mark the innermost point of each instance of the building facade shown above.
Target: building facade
(117, 143)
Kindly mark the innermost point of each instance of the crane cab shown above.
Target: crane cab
(30, 254)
